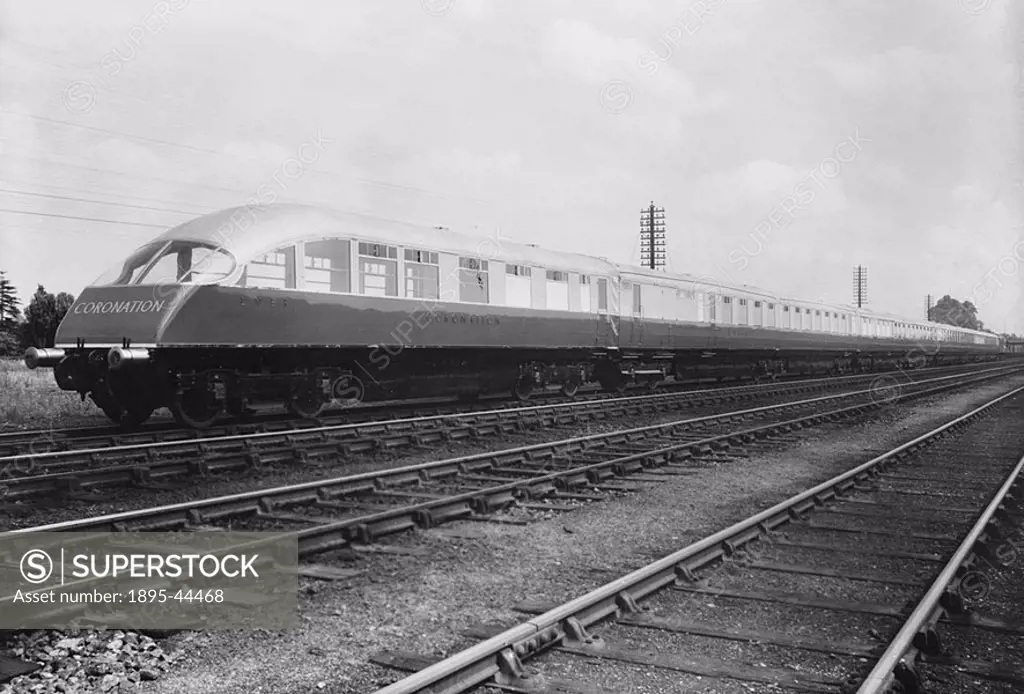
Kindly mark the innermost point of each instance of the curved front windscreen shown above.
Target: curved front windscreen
(177, 262)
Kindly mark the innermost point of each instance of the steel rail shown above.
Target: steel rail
(361, 529)
(16, 437)
(202, 444)
(10, 461)
(356, 426)
(361, 414)
(901, 652)
(503, 653)
(436, 468)
(75, 471)
(84, 437)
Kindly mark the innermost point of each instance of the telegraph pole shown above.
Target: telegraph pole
(860, 285)
(928, 307)
(652, 237)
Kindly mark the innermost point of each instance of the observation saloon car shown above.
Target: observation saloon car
(305, 307)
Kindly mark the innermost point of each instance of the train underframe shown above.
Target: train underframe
(201, 385)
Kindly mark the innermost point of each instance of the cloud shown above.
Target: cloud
(474, 10)
(324, 30)
(919, 71)
(761, 185)
(887, 174)
(587, 53)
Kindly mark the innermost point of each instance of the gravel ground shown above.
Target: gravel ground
(465, 573)
(1001, 595)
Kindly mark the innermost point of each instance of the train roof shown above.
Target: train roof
(678, 277)
(282, 224)
(250, 234)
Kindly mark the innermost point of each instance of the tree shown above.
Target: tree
(10, 313)
(9, 301)
(951, 312)
(43, 315)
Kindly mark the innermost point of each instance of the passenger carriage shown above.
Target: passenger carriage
(304, 306)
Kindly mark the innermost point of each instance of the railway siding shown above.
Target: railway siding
(70, 473)
(423, 587)
(804, 613)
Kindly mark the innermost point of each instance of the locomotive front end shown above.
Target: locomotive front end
(108, 344)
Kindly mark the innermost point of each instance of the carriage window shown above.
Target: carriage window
(771, 307)
(757, 304)
(473, 281)
(726, 299)
(517, 270)
(274, 270)
(421, 274)
(327, 265)
(585, 293)
(557, 276)
(426, 257)
(743, 302)
(378, 269)
(378, 250)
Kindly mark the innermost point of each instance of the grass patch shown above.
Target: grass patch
(32, 400)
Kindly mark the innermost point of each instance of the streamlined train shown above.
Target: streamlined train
(305, 307)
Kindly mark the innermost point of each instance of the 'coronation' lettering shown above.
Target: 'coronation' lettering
(119, 307)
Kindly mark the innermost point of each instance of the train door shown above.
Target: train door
(743, 313)
(629, 294)
(727, 310)
(710, 304)
(636, 322)
(607, 312)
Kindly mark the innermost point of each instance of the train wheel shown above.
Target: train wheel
(570, 388)
(239, 409)
(614, 385)
(106, 401)
(348, 390)
(193, 409)
(135, 416)
(307, 405)
(113, 412)
(523, 388)
(609, 375)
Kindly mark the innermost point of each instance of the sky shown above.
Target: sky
(787, 140)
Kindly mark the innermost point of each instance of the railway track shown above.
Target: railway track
(855, 585)
(38, 441)
(74, 473)
(35, 441)
(358, 510)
